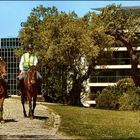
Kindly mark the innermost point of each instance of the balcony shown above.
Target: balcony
(106, 79)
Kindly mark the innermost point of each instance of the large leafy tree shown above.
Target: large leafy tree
(68, 46)
(123, 26)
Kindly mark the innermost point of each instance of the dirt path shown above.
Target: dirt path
(18, 127)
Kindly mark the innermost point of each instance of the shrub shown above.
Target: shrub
(123, 96)
(129, 101)
(107, 99)
(124, 85)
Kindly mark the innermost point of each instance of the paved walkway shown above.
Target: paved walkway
(18, 127)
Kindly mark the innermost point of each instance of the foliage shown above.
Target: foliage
(126, 84)
(123, 96)
(107, 98)
(64, 42)
(55, 85)
(129, 101)
(114, 18)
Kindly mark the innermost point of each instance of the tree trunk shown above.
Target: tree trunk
(75, 98)
(134, 69)
(75, 93)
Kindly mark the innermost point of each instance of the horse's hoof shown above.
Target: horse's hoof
(2, 121)
(31, 117)
(25, 115)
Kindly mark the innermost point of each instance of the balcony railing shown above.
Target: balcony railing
(106, 79)
(118, 61)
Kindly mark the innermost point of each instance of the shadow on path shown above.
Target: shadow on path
(25, 137)
(41, 117)
(9, 120)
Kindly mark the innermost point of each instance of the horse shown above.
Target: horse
(3, 86)
(31, 85)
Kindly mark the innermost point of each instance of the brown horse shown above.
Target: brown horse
(30, 91)
(3, 86)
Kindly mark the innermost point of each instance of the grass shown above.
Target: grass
(91, 123)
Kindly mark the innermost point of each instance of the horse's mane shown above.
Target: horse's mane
(31, 78)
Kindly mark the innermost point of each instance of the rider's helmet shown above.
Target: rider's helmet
(30, 48)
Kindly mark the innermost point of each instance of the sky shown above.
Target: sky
(12, 13)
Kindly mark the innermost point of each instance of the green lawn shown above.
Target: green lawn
(90, 123)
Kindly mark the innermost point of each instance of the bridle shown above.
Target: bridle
(32, 78)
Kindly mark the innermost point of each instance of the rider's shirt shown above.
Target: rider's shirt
(27, 60)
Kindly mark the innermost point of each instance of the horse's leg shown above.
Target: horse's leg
(1, 110)
(1, 113)
(23, 103)
(34, 104)
(30, 108)
(30, 105)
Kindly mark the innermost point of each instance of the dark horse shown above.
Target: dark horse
(3, 86)
(30, 91)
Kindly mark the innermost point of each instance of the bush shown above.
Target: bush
(126, 84)
(129, 101)
(123, 96)
(107, 98)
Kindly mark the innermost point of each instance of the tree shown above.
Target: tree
(123, 26)
(69, 47)
(71, 43)
(63, 41)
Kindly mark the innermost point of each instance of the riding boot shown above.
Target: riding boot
(18, 83)
(19, 86)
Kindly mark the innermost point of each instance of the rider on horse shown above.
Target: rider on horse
(27, 59)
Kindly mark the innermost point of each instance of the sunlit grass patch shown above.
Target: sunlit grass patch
(93, 123)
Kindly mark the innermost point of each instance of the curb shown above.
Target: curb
(54, 117)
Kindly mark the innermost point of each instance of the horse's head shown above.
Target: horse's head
(32, 68)
(32, 74)
(3, 69)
